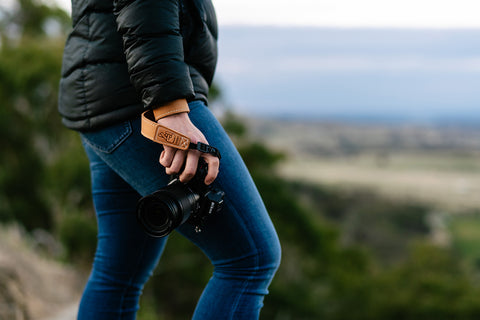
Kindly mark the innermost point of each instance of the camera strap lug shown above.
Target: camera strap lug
(205, 148)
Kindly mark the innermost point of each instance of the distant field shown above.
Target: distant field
(404, 177)
(439, 165)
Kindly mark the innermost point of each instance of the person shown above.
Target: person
(123, 57)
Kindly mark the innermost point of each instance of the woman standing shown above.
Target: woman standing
(126, 57)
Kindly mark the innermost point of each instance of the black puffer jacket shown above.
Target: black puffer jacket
(123, 56)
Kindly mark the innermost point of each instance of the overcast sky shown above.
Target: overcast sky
(347, 13)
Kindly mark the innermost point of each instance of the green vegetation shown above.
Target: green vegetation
(346, 254)
(466, 237)
(44, 176)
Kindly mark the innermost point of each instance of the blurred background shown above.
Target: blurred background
(359, 121)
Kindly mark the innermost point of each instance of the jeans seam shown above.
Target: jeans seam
(256, 254)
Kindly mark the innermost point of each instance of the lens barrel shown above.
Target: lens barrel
(166, 209)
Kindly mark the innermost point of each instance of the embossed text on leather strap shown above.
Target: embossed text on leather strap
(169, 137)
(162, 134)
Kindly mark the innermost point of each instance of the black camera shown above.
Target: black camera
(164, 210)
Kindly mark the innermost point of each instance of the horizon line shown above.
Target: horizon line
(351, 27)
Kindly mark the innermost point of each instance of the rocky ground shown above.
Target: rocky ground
(33, 287)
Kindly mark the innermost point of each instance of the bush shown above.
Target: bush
(78, 234)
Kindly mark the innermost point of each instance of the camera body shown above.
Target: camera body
(164, 210)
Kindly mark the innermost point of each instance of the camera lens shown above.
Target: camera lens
(159, 216)
(156, 218)
(162, 211)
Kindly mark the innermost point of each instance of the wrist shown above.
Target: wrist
(179, 106)
(172, 118)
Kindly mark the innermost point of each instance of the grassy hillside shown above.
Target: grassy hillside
(435, 166)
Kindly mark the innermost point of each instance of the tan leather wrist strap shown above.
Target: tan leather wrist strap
(176, 106)
(161, 134)
(169, 137)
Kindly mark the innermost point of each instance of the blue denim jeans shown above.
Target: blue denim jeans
(240, 241)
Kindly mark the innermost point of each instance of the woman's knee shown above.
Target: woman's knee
(272, 255)
(262, 262)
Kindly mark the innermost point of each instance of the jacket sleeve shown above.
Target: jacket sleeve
(153, 48)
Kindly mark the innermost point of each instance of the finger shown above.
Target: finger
(190, 166)
(213, 168)
(167, 155)
(177, 162)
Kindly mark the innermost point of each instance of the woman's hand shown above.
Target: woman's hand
(173, 159)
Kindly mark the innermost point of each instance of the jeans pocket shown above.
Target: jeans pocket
(108, 139)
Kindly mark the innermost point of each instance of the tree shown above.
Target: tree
(35, 146)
